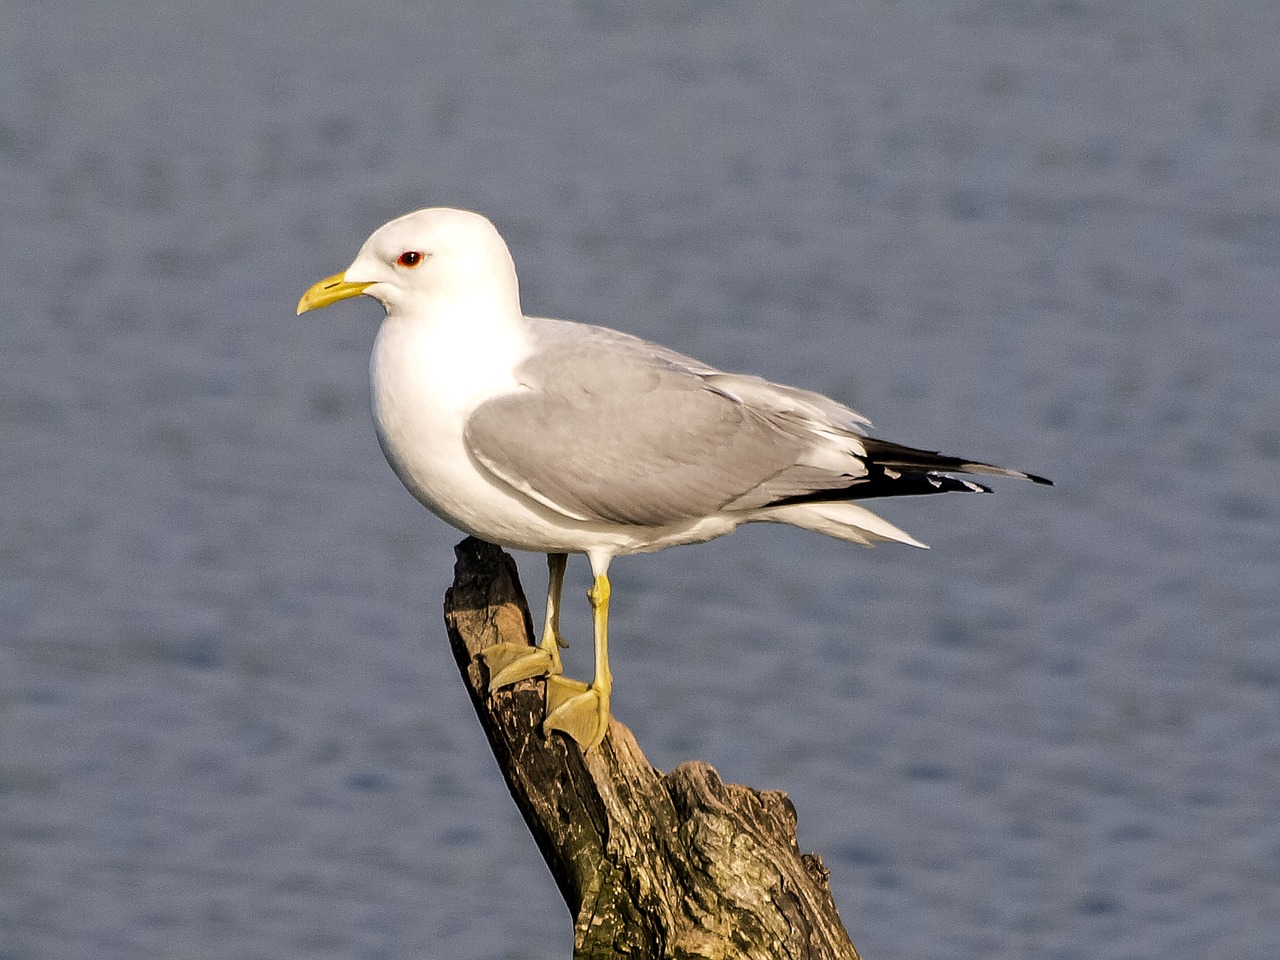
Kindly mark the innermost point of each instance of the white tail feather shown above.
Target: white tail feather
(843, 520)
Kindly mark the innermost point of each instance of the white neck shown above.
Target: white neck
(451, 352)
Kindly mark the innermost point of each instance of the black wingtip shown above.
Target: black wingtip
(1044, 480)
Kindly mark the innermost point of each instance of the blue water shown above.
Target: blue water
(1041, 233)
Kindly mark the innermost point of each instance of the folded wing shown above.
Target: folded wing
(629, 432)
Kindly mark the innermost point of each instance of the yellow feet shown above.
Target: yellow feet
(578, 709)
(510, 663)
(582, 710)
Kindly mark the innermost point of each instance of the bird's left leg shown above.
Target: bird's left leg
(510, 663)
(578, 709)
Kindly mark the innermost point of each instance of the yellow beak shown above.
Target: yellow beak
(329, 290)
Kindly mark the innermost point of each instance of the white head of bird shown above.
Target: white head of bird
(425, 261)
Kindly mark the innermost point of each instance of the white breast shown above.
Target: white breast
(424, 388)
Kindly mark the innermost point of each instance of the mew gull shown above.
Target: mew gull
(560, 437)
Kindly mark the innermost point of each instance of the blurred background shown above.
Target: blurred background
(1044, 233)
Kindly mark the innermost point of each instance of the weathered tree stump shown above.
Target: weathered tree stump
(650, 866)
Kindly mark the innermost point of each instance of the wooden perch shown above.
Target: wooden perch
(651, 866)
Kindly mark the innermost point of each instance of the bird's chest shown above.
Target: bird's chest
(423, 390)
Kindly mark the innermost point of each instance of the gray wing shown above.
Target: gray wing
(611, 428)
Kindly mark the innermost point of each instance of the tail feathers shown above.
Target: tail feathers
(897, 471)
(841, 519)
(895, 457)
(892, 470)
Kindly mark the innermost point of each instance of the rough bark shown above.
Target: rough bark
(650, 866)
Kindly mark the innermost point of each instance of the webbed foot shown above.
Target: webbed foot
(510, 663)
(578, 709)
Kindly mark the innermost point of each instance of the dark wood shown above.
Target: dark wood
(651, 866)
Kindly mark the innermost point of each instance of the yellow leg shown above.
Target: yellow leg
(510, 663)
(551, 639)
(573, 707)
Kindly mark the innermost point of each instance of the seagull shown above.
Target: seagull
(559, 437)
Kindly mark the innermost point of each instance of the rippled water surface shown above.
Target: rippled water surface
(1045, 234)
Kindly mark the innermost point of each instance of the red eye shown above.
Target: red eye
(410, 258)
